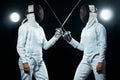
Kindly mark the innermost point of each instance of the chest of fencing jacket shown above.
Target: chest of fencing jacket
(31, 40)
(94, 41)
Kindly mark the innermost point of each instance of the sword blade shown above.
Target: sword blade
(62, 24)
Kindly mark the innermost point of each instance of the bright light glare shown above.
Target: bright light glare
(106, 14)
(15, 17)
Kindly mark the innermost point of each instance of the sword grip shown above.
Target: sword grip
(59, 30)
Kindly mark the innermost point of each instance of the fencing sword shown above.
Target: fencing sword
(62, 24)
(54, 14)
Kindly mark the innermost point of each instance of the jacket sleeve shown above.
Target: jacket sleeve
(101, 42)
(21, 41)
(47, 44)
(76, 44)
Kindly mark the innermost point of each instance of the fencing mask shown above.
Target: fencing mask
(37, 10)
(85, 10)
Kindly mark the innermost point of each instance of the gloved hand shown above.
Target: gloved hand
(58, 32)
(67, 36)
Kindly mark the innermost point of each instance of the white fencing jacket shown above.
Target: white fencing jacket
(31, 40)
(93, 39)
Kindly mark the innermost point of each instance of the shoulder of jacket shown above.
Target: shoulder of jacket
(24, 26)
(99, 27)
(40, 27)
(99, 24)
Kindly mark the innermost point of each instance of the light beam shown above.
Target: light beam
(106, 14)
(14, 17)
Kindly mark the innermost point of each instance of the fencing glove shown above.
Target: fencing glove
(58, 32)
(67, 36)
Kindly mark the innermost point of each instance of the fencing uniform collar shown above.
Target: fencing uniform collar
(92, 19)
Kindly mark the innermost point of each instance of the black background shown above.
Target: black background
(61, 59)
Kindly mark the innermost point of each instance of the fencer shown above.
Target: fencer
(92, 43)
(30, 43)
